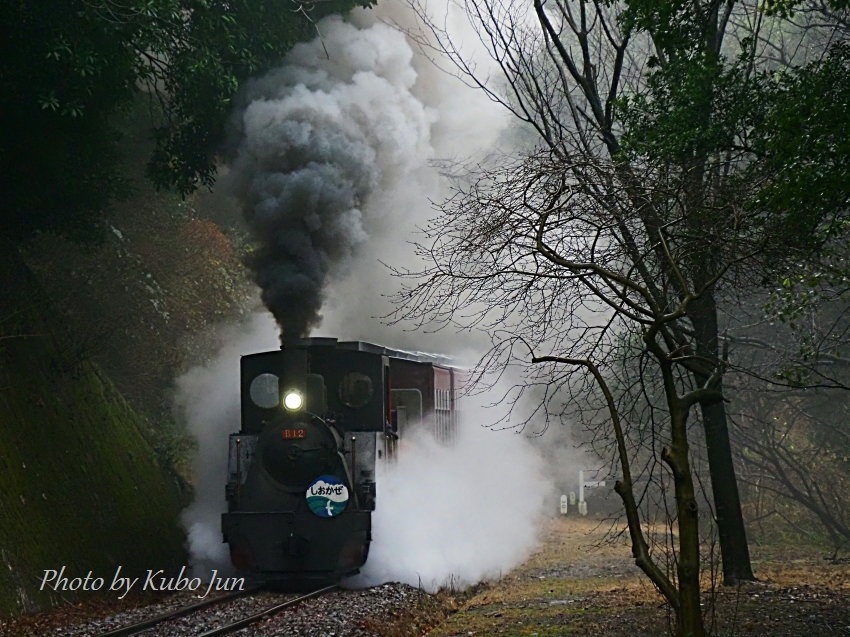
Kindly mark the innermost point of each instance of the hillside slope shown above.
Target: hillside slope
(79, 485)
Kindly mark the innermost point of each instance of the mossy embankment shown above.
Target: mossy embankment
(80, 486)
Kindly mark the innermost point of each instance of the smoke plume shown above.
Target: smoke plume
(317, 139)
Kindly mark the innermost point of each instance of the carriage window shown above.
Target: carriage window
(356, 389)
(409, 402)
(265, 391)
(444, 416)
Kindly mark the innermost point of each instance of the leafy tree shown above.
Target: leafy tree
(798, 447)
(68, 68)
(803, 147)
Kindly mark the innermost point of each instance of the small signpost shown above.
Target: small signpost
(590, 484)
(570, 501)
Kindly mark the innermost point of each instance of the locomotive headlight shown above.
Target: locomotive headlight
(293, 401)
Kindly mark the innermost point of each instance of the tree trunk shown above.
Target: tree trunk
(689, 617)
(734, 550)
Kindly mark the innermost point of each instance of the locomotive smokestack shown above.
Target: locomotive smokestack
(316, 139)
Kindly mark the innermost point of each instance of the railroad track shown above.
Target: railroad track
(221, 630)
(271, 610)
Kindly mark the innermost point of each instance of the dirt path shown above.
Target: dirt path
(574, 586)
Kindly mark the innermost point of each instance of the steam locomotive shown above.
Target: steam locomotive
(316, 418)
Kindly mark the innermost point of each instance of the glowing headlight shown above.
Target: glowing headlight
(292, 400)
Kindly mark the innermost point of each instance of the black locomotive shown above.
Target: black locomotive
(316, 418)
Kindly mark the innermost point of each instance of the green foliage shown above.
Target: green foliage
(785, 133)
(66, 70)
(787, 8)
(662, 123)
(803, 146)
(804, 151)
(676, 27)
(695, 104)
(61, 76)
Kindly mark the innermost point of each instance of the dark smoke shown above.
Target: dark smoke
(316, 139)
(306, 218)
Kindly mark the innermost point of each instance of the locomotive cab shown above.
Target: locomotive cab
(301, 471)
(301, 476)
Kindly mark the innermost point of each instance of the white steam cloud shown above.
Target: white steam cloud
(455, 515)
(208, 401)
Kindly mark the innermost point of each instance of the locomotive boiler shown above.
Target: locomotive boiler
(317, 417)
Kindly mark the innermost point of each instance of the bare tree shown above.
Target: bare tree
(543, 255)
(790, 411)
(566, 68)
(787, 453)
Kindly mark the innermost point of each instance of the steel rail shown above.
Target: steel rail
(241, 623)
(180, 612)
